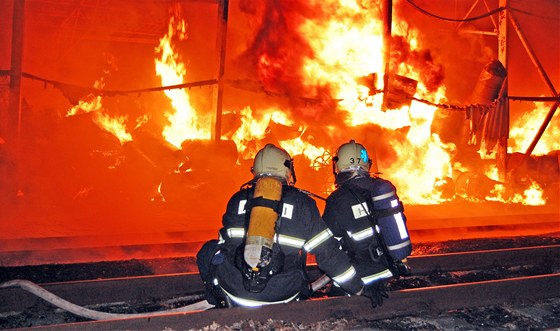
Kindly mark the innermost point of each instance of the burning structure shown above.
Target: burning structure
(430, 94)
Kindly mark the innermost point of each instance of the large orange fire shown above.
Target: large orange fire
(335, 64)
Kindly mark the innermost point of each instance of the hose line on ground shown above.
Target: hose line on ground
(99, 316)
(93, 314)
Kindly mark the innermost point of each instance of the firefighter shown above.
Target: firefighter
(365, 214)
(257, 261)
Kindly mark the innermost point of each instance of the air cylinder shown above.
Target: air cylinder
(392, 225)
(262, 222)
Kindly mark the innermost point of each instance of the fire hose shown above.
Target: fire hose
(98, 315)
(89, 313)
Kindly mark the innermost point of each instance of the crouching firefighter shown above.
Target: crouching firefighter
(366, 215)
(269, 226)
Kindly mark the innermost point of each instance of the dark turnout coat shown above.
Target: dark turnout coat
(346, 215)
(300, 230)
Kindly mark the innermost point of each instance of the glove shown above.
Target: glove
(402, 269)
(376, 292)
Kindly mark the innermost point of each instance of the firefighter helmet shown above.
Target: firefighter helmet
(274, 161)
(351, 156)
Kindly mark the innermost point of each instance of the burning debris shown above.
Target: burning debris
(310, 76)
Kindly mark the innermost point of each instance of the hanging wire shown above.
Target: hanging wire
(57, 84)
(119, 92)
(484, 108)
(490, 13)
(512, 7)
(553, 18)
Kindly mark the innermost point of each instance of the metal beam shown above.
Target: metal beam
(387, 37)
(532, 55)
(546, 79)
(13, 138)
(221, 40)
(503, 56)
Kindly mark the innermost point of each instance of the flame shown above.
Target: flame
(251, 129)
(115, 125)
(256, 128)
(185, 123)
(94, 103)
(349, 45)
(524, 129)
(531, 196)
(345, 51)
(345, 44)
(299, 147)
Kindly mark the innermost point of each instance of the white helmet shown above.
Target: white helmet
(274, 161)
(351, 156)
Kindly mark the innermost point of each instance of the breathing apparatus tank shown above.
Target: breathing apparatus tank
(388, 210)
(262, 222)
(272, 168)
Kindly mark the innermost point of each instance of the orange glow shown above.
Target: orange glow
(306, 75)
(86, 106)
(346, 45)
(94, 102)
(532, 196)
(114, 125)
(299, 147)
(349, 45)
(524, 129)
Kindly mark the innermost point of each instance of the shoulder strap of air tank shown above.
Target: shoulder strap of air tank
(311, 194)
(377, 235)
(375, 214)
(370, 209)
(264, 202)
(388, 212)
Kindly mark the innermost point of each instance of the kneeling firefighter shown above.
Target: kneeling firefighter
(268, 228)
(366, 215)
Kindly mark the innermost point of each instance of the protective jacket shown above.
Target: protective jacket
(346, 215)
(299, 230)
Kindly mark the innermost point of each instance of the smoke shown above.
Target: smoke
(460, 56)
(431, 73)
(277, 51)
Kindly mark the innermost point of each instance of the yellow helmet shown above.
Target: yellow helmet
(352, 156)
(274, 161)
